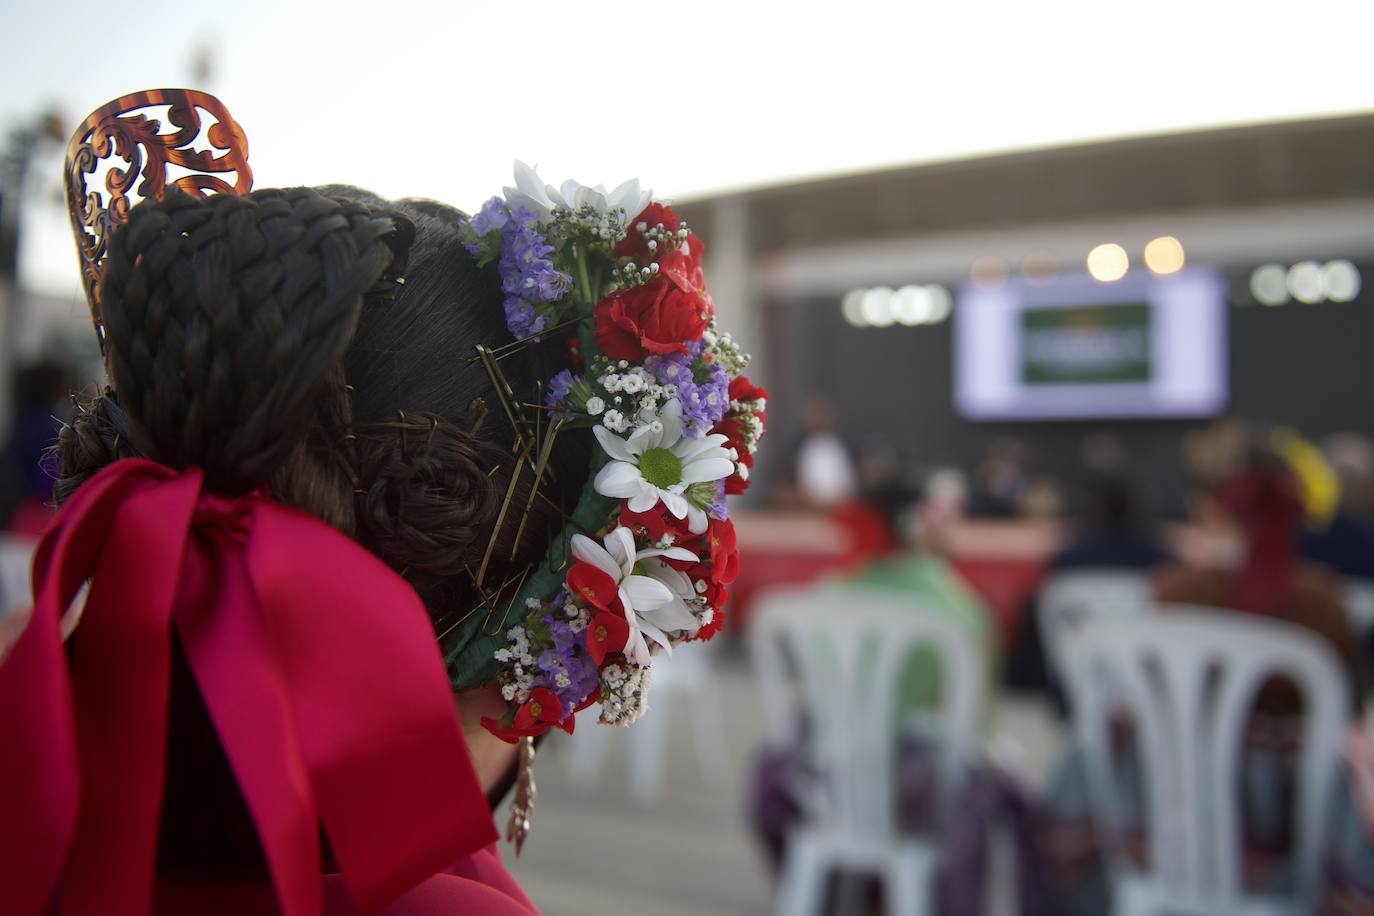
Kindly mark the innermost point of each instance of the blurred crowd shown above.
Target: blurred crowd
(1277, 527)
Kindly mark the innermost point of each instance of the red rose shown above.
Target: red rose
(633, 245)
(654, 319)
(684, 267)
(606, 635)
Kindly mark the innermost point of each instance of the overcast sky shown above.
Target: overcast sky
(436, 99)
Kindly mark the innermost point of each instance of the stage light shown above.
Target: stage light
(852, 308)
(911, 305)
(876, 306)
(1306, 282)
(1342, 280)
(1269, 284)
(1108, 262)
(1164, 255)
(940, 304)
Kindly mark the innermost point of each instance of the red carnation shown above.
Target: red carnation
(540, 712)
(606, 634)
(656, 523)
(656, 318)
(543, 707)
(717, 621)
(594, 588)
(724, 551)
(741, 389)
(633, 245)
(732, 428)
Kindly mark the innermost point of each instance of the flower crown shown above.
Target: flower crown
(649, 551)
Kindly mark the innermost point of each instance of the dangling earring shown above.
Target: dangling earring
(519, 825)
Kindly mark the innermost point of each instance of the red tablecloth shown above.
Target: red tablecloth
(1003, 563)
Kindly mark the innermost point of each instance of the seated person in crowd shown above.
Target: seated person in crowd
(1345, 542)
(915, 568)
(1112, 533)
(1263, 510)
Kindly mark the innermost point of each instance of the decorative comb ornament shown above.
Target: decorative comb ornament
(199, 154)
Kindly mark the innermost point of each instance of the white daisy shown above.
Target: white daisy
(680, 584)
(657, 463)
(542, 199)
(651, 608)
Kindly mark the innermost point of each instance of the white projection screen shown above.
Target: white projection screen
(1074, 348)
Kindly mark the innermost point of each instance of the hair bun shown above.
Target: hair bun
(426, 501)
(224, 316)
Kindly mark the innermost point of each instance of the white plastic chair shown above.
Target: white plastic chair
(847, 649)
(687, 677)
(1359, 601)
(1189, 680)
(1071, 598)
(16, 556)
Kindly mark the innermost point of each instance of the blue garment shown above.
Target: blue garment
(1347, 546)
(1112, 547)
(1099, 547)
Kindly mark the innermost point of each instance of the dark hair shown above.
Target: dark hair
(1112, 500)
(265, 339)
(318, 342)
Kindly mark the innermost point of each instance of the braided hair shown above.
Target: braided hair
(270, 340)
(319, 342)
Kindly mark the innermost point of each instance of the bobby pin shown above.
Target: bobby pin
(479, 407)
(507, 349)
(501, 516)
(539, 470)
(505, 394)
(505, 612)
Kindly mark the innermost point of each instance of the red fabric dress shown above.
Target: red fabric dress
(479, 884)
(332, 716)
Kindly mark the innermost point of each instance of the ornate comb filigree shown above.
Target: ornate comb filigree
(118, 130)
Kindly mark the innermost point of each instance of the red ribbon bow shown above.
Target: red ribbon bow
(317, 665)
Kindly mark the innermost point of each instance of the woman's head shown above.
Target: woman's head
(320, 343)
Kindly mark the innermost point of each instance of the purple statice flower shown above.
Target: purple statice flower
(521, 318)
(716, 507)
(490, 218)
(672, 369)
(561, 631)
(528, 276)
(705, 397)
(568, 656)
(559, 386)
(703, 388)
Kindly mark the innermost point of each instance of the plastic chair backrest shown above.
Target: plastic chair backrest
(1359, 600)
(16, 556)
(846, 650)
(1070, 598)
(1189, 679)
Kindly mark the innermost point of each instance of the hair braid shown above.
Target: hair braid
(225, 317)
